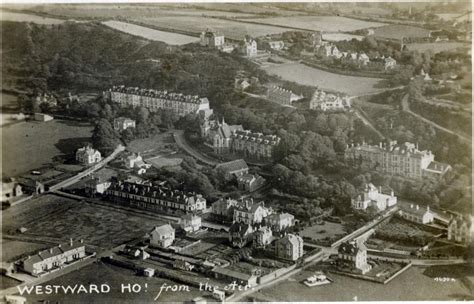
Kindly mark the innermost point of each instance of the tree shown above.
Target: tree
(104, 138)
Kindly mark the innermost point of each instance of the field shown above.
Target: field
(340, 37)
(306, 75)
(11, 250)
(152, 145)
(319, 23)
(398, 31)
(414, 284)
(112, 11)
(36, 144)
(151, 34)
(164, 161)
(436, 47)
(195, 24)
(315, 232)
(57, 218)
(19, 17)
(101, 273)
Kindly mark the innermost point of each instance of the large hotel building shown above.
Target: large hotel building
(154, 100)
(398, 159)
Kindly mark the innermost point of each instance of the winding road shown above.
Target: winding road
(406, 108)
(178, 136)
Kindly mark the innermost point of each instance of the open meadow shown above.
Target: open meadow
(195, 24)
(31, 144)
(395, 31)
(305, 75)
(151, 34)
(436, 47)
(21, 17)
(319, 23)
(12, 249)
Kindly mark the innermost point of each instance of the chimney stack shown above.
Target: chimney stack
(417, 207)
(411, 206)
(70, 242)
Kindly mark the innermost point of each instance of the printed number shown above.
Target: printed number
(444, 279)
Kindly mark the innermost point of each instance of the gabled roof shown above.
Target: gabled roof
(162, 230)
(233, 166)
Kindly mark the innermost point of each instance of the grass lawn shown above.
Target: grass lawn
(7, 282)
(97, 225)
(11, 249)
(148, 146)
(35, 144)
(320, 23)
(319, 232)
(305, 75)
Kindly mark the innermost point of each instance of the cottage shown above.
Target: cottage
(250, 213)
(233, 168)
(212, 39)
(276, 45)
(416, 213)
(280, 221)
(389, 63)
(43, 117)
(289, 247)
(55, 257)
(183, 265)
(190, 222)
(224, 208)
(328, 102)
(250, 182)
(459, 230)
(240, 234)
(249, 47)
(262, 237)
(87, 156)
(354, 256)
(162, 236)
(371, 196)
(123, 123)
(10, 190)
(32, 186)
(242, 279)
(96, 185)
(282, 96)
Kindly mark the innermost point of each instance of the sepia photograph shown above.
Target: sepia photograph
(210, 152)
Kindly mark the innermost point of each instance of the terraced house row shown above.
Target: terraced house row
(156, 198)
(155, 100)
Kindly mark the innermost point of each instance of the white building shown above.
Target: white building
(56, 257)
(353, 254)
(162, 236)
(190, 222)
(417, 214)
(250, 213)
(280, 221)
(212, 39)
(389, 63)
(250, 47)
(123, 123)
(289, 247)
(276, 45)
(328, 102)
(87, 155)
(371, 196)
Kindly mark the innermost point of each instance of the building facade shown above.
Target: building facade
(250, 47)
(224, 208)
(212, 39)
(246, 211)
(88, 156)
(459, 230)
(162, 236)
(240, 234)
(262, 237)
(235, 168)
(328, 102)
(417, 214)
(10, 190)
(371, 196)
(56, 257)
(155, 100)
(156, 198)
(190, 222)
(123, 123)
(398, 159)
(250, 182)
(354, 256)
(289, 247)
(282, 96)
(280, 221)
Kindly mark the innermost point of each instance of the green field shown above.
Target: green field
(319, 23)
(319, 232)
(305, 75)
(11, 250)
(436, 47)
(30, 145)
(394, 31)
